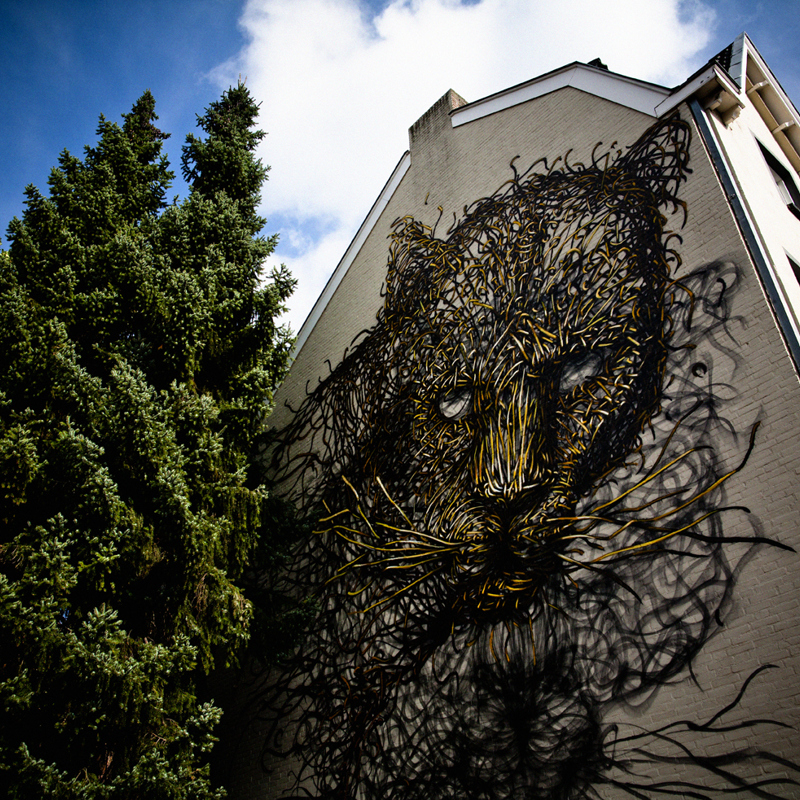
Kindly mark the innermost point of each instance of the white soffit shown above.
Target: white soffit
(620, 89)
(352, 251)
(713, 75)
(771, 101)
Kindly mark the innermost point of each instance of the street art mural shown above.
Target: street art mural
(519, 495)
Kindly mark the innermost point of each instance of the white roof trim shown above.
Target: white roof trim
(712, 73)
(752, 53)
(619, 89)
(352, 251)
(770, 100)
(738, 65)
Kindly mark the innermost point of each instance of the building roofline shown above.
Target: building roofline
(716, 87)
(352, 251)
(710, 80)
(753, 52)
(640, 95)
(768, 96)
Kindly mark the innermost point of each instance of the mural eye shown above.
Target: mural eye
(577, 370)
(456, 403)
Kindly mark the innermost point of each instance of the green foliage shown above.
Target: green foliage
(138, 356)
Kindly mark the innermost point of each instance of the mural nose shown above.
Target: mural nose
(512, 458)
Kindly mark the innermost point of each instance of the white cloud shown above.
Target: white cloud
(340, 87)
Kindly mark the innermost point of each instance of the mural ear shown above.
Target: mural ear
(416, 260)
(660, 158)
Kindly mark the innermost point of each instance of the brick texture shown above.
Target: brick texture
(761, 625)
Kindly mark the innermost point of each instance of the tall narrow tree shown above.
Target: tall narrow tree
(138, 356)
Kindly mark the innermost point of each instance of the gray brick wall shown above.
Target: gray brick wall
(452, 168)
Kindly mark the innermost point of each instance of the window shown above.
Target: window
(787, 188)
(795, 267)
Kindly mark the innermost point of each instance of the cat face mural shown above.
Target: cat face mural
(517, 493)
(531, 363)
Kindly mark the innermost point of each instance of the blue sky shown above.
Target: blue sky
(340, 81)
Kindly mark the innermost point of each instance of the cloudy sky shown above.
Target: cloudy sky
(340, 81)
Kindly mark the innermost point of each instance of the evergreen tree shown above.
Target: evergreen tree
(138, 356)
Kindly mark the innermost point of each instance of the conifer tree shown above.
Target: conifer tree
(138, 356)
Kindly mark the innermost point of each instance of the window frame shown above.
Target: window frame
(783, 179)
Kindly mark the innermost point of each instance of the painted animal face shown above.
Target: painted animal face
(531, 365)
(516, 362)
(525, 391)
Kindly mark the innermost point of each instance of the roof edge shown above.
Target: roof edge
(703, 83)
(639, 95)
(355, 245)
(776, 108)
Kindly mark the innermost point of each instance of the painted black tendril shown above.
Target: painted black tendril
(519, 492)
